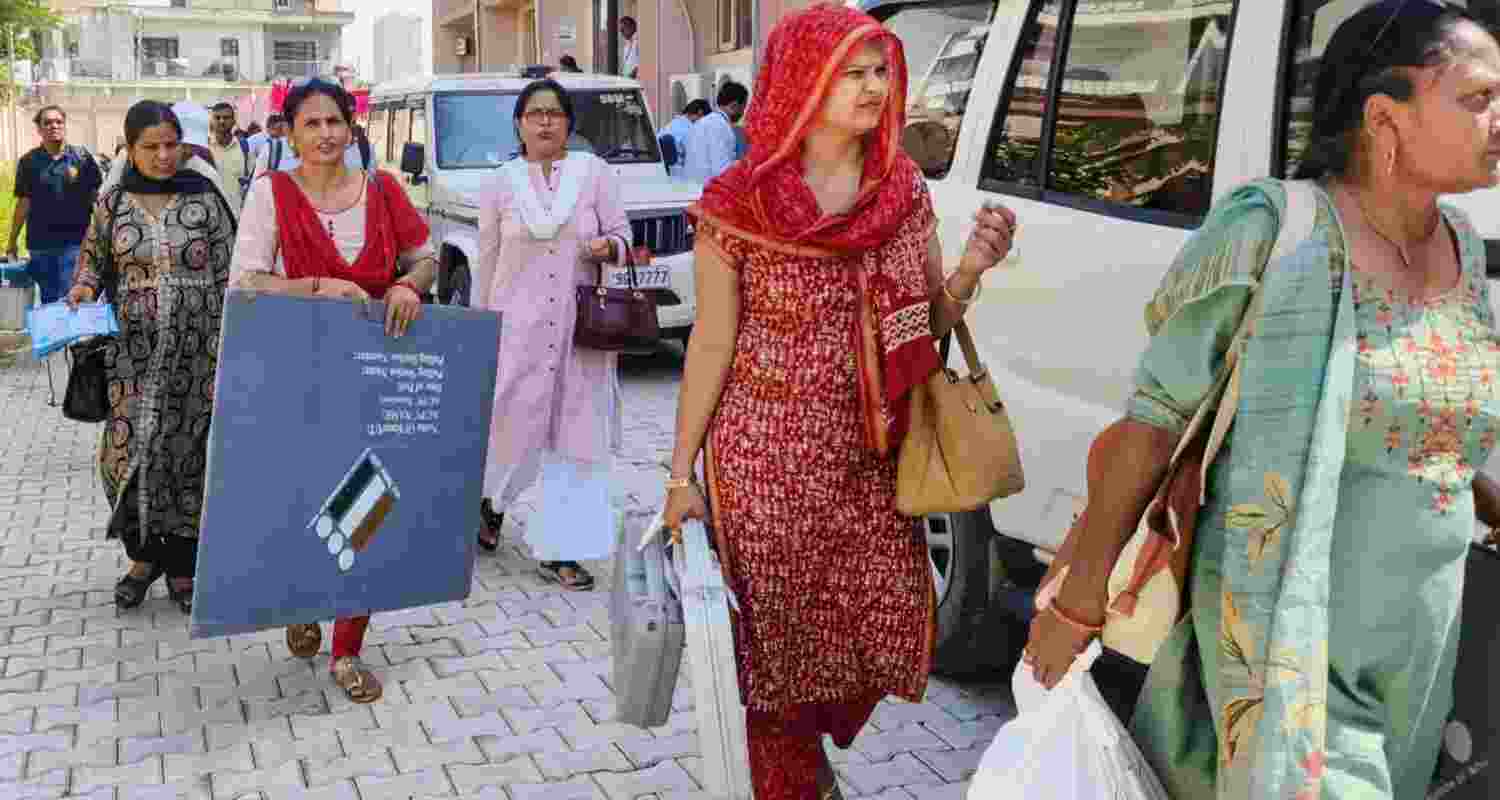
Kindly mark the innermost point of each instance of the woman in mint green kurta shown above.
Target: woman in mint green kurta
(1317, 660)
(1423, 409)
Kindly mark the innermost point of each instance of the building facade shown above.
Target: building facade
(213, 46)
(397, 52)
(687, 47)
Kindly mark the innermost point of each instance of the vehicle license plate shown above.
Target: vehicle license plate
(653, 277)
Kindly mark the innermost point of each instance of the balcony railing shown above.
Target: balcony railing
(281, 69)
(210, 69)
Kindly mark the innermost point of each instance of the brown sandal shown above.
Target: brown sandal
(358, 683)
(304, 639)
(569, 574)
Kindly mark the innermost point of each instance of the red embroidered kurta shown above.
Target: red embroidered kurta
(834, 585)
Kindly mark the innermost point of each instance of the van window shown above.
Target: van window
(378, 132)
(1312, 26)
(943, 44)
(476, 130)
(1114, 106)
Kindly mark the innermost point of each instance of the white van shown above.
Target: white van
(448, 133)
(1109, 126)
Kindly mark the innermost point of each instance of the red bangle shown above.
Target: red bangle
(1081, 627)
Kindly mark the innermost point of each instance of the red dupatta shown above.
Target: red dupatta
(392, 227)
(764, 200)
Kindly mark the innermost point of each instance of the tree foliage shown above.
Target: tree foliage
(21, 23)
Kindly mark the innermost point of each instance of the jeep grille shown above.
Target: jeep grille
(665, 235)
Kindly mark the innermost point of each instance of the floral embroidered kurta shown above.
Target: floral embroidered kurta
(549, 394)
(1318, 658)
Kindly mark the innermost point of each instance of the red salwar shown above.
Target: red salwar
(348, 636)
(786, 747)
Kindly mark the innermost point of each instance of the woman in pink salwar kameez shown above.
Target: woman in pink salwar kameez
(547, 221)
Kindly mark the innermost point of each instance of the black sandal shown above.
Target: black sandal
(182, 598)
(490, 523)
(131, 591)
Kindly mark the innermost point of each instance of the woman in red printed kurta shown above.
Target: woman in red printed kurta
(820, 286)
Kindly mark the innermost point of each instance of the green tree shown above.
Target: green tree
(21, 21)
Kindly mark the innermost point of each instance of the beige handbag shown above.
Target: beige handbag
(960, 450)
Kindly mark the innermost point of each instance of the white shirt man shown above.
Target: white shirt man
(233, 157)
(681, 129)
(712, 145)
(630, 48)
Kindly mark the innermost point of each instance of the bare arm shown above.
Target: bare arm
(962, 284)
(710, 352)
(1487, 500)
(18, 219)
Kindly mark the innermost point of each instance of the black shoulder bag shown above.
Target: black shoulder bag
(87, 397)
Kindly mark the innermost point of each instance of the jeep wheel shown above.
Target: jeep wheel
(976, 634)
(456, 284)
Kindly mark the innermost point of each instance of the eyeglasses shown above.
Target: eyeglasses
(538, 115)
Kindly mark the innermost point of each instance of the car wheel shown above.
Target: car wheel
(976, 632)
(456, 287)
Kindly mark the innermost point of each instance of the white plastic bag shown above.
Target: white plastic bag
(1065, 745)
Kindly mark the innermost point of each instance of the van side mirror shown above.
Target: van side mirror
(413, 158)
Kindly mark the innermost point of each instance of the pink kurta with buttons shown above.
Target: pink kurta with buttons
(549, 394)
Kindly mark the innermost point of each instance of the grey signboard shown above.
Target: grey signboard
(344, 467)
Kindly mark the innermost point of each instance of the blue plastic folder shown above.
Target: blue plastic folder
(344, 467)
(55, 326)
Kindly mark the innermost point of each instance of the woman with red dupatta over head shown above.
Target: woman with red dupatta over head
(325, 230)
(820, 289)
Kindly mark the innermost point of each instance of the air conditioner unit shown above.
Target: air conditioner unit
(461, 46)
(283, 4)
(160, 68)
(688, 87)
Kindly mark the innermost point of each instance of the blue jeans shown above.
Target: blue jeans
(52, 269)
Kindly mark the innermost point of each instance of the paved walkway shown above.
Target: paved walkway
(502, 696)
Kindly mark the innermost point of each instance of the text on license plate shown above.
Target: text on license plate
(645, 277)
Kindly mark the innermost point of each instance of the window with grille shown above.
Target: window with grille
(304, 50)
(155, 48)
(229, 48)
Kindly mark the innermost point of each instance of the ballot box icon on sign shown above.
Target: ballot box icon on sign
(354, 511)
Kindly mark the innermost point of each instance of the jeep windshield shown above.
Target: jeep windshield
(476, 130)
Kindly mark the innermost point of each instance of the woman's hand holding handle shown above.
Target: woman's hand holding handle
(79, 294)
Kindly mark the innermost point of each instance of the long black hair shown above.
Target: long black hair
(524, 100)
(149, 114)
(1370, 54)
(302, 91)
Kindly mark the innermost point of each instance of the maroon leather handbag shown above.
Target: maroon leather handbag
(616, 319)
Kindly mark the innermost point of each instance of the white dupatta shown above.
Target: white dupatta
(545, 224)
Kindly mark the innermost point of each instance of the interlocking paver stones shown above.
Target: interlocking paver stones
(502, 696)
(667, 776)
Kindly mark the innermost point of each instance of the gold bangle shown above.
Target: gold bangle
(678, 483)
(948, 293)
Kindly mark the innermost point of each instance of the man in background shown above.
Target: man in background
(712, 145)
(630, 48)
(680, 128)
(56, 184)
(232, 155)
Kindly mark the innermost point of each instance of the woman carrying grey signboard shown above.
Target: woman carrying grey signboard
(159, 245)
(325, 230)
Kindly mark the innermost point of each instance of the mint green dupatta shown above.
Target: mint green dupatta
(1235, 704)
